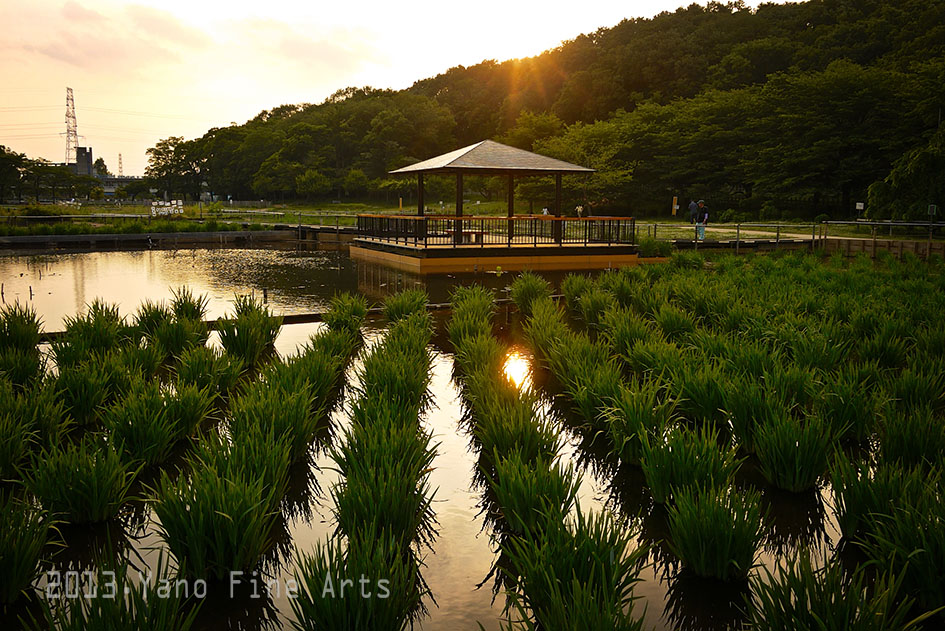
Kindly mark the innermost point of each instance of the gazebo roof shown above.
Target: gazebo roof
(492, 158)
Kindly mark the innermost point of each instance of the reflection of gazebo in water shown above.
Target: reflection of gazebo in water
(426, 242)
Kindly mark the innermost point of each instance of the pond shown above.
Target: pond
(296, 281)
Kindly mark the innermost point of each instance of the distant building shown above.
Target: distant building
(83, 161)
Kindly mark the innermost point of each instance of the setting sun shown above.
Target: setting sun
(517, 368)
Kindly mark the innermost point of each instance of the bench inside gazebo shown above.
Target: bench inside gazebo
(429, 236)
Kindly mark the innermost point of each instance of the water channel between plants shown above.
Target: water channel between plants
(301, 281)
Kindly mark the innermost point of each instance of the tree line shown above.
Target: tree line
(796, 109)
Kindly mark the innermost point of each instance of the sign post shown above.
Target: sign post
(675, 204)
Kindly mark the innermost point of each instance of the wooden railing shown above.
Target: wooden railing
(520, 231)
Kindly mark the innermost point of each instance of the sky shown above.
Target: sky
(143, 71)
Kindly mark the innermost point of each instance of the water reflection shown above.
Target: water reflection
(517, 368)
(700, 604)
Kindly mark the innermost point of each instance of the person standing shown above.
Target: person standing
(702, 220)
(693, 211)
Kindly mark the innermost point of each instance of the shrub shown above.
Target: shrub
(716, 531)
(527, 288)
(98, 481)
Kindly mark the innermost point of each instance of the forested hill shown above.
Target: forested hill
(789, 108)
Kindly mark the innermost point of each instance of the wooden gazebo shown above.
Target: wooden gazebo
(491, 158)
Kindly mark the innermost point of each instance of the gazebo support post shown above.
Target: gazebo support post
(420, 208)
(557, 224)
(458, 224)
(511, 207)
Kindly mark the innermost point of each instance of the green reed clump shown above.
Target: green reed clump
(259, 454)
(16, 440)
(390, 597)
(533, 493)
(675, 323)
(20, 359)
(385, 462)
(715, 531)
(37, 412)
(685, 458)
(913, 439)
(140, 427)
(749, 407)
(576, 575)
(886, 348)
(526, 289)
(23, 534)
(594, 388)
(473, 299)
(799, 597)
(654, 356)
(687, 261)
(346, 312)
(793, 452)
(911, 542)
(83, 390)
(186, 306)
(121, 601)
(593, 303)
(250, 335)
(641, 410)
(100, 330)
(286, 412)
(622, 329)
(545, 327)
(917, 387)
(793, 385)
(573, 287)
(208, 369)
(505, 424)
(848, 406)
(187, 407)
(700, 392)
(400, 369)
(405, 303)
(175, 337)
(212, 524)
(19, 327)
(151, 315)
(466, 325)
(860, 493)
(479, 352)
(815, 351)
(141, 359)
(81, 483)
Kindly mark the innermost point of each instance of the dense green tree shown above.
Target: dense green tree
(100, 168)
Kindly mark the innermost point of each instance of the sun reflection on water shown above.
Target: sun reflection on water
(518, 369)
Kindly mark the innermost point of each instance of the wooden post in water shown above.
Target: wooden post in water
(458, 224)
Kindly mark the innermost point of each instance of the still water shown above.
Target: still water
(300, 281)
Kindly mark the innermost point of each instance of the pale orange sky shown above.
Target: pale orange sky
(147, 70)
